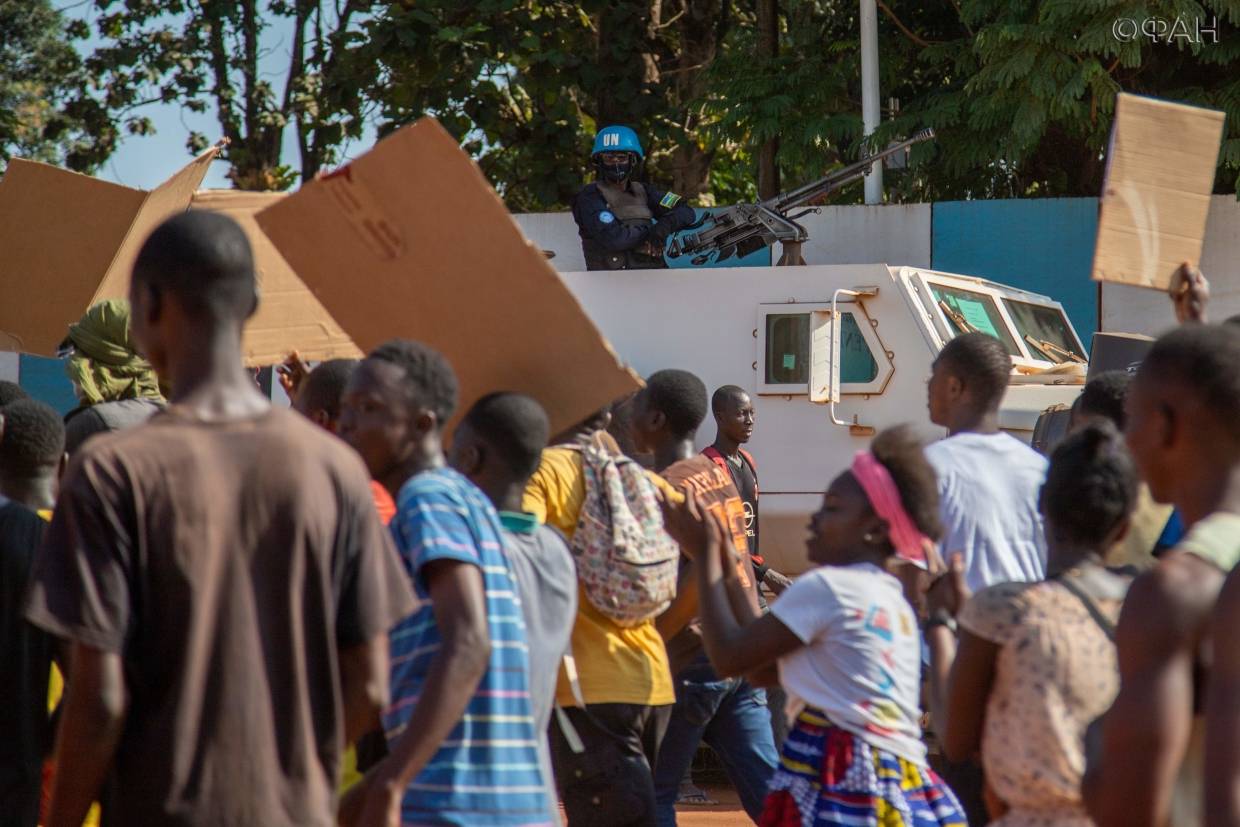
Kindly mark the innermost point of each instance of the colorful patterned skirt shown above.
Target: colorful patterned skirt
(828, 776)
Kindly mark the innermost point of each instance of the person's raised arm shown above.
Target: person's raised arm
(961, 669)
(90, 729)
(1222, 763)
(459, 602)
(1190, 294)
(1145, 733)
(733, 648)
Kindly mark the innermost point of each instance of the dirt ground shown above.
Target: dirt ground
(728, 813)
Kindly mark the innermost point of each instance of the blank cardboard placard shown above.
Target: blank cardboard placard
(1160, 172)
(289, 316)
(410, 240)
(59, 232)
(68, 239)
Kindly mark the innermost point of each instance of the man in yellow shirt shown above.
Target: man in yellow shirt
(623, 676)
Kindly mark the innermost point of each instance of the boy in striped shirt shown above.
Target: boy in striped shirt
(460, 730)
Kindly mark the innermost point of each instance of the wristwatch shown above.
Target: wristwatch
(940, 617)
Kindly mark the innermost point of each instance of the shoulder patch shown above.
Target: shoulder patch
(669, 200)
(606, 217)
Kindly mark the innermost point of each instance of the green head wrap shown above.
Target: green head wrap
(105, 366)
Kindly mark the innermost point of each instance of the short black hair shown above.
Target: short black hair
(431, 380)
(205, 260)
(1201, 360)
(681, 397)
(1104, 396)
(724, 396)
(515, 426)
(1091, 485)
(902, 453)
(981, 363)
(11, 392)
(33, 438)
(324, 386)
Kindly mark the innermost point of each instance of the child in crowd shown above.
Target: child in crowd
(846, 644)
(1037, 662)
(498, 446)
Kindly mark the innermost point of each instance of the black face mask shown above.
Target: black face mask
(615, 173)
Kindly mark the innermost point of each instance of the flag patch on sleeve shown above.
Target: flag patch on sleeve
(669, 200)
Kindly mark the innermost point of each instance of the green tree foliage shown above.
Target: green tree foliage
(1023, 94)
(218, 56)
(38, 70)
(1020, 92)
(525, 83)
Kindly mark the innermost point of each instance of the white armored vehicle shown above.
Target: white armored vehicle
(824, 382)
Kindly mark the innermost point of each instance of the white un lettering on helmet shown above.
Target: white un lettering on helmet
(611, 140)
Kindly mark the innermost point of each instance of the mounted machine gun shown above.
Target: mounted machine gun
(747, 228)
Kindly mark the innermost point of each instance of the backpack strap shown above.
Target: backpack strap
(753, 469)
(566, 726)
(1104, 622)
(713, 453)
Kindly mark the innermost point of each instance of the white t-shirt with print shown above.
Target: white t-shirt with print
(988, 501)
(861, 663)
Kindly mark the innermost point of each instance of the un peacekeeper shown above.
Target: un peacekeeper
(624, 223)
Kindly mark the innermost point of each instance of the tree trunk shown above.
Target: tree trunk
(699, 29)
(768, 50)
(625, 69)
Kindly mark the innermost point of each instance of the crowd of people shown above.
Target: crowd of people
(345, 612)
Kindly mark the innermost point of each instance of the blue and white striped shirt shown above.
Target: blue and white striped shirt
(487, 771)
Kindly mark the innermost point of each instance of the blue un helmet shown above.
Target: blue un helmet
(616, 153)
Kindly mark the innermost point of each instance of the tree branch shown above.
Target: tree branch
(219, 67)
(907, 32)
(960, 14)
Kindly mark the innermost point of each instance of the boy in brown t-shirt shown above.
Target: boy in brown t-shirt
(220, 574)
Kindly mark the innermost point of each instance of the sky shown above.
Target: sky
(146, 161)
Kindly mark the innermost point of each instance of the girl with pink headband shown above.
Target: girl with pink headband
(846, 644)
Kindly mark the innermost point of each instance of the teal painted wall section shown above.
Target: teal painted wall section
(1042, 245)
(45, 380)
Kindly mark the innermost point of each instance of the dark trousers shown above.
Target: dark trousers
(732, 717)
(611, 782)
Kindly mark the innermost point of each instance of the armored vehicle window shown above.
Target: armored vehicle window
(787, 350)
(970, 312)
(1040, 326)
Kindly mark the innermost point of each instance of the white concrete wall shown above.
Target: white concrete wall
(555, 231)
(1138, 310)
(894, 234)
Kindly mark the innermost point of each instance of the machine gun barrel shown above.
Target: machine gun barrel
(745, 228)
(801, 196)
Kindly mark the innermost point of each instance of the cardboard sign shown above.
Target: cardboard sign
(289, 316)
(411, 241)
(70, 240)
(1156, 195)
